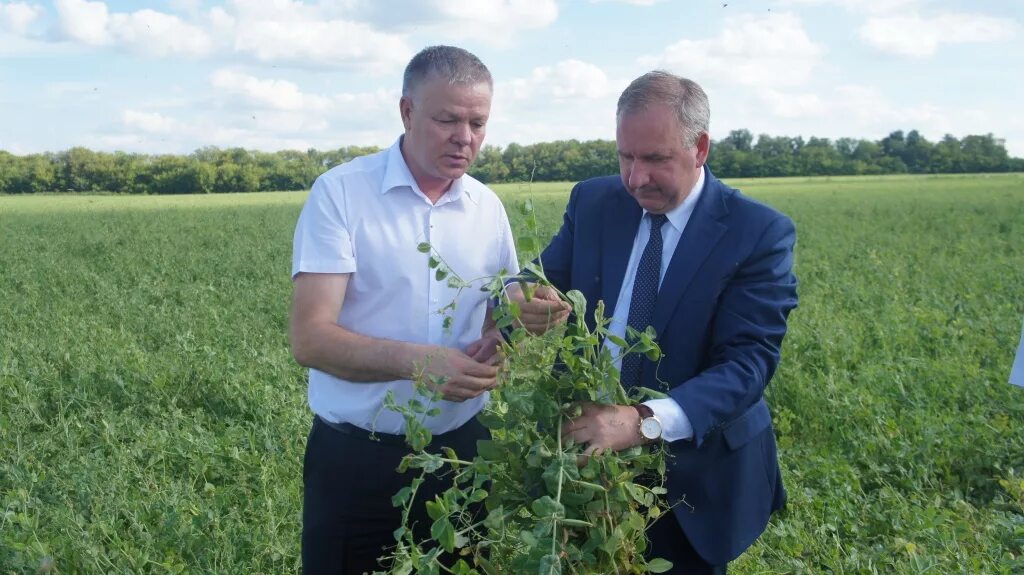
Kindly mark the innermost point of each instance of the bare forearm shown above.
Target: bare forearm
(356, 357)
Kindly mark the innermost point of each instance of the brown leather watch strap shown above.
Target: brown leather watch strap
(645, 411)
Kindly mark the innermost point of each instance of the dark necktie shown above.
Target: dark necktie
(645, 294)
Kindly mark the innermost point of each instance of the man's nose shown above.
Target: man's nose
(638, 175)
(462, 134)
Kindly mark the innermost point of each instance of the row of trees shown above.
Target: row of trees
(210, 170)
(204, 171)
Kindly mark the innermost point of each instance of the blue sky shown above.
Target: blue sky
(176, 75)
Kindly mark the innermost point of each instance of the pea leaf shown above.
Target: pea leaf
(658, 565)
(547, 507)
(579, 302)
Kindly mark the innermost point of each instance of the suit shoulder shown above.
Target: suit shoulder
(749, 209)
(598, 189)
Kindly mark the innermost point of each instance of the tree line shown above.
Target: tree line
(215, 170)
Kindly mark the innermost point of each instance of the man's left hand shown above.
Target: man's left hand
(603, 427)
(487, 349)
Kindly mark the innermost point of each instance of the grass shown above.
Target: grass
(151, 419)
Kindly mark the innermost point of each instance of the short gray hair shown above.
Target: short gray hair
(684, 96)
(455, 65)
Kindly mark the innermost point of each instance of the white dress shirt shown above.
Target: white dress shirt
(674, 422)
(366, 218)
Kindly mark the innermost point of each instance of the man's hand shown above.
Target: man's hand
(487, 349)
(544, 310)
(603, 427)
(465, 377)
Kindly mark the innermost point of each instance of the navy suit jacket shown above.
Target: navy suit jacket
(720, 317)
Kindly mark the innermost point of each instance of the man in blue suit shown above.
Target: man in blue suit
(715, 281)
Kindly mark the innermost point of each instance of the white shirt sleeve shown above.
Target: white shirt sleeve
(322, 243)
(509, 257)
(675, 425)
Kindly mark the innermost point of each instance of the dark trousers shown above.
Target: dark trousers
(669, 542)
(348, 521)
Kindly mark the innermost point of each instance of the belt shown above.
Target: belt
(356, 431)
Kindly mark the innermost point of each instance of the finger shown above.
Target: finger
(584, 458)
(474, 386)
(579, 435)
(540, 307)
(487, 349)
(496, 359)
(478, 370)
(547, 293)
(474, 348)
(453, 394)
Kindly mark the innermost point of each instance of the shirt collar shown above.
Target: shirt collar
(680, 214)
(398, 175)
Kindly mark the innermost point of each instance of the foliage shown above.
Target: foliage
(151, 420)
(235, 170)
(542, 511)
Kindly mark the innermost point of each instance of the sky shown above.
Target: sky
(172, 76)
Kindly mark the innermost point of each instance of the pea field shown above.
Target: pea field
(152, 419)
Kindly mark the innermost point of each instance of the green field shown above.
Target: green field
(152, 420)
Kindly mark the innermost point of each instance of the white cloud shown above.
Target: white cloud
(871, 7)
(84, 22)
(305, 35)
(146, 31)
(786, 105)
(256, 96)
(860, 111)
(566, 79)
(491, 22)
(158, 34)
(920, 36)
(272, 94)
(569, 100)
(320, 43)
(18, 16)
(633, 2)
(324, 34)
(151, 122)
(504, 14)
(261, 108)
(764, 50)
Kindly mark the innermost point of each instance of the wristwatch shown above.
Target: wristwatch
(650, 425)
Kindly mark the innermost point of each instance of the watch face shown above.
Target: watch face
(650, 428)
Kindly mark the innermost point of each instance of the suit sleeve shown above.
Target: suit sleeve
(556, 259)
(746, 334)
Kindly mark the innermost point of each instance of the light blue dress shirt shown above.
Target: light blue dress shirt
(674, 422)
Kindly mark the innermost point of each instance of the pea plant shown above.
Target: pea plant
(528, 502)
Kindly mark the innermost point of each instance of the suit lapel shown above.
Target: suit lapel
(621, 222)
(702, 232)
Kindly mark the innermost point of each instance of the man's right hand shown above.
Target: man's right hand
(544, 310)
(465, 378)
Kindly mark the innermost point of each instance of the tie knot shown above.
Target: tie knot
(658, 220)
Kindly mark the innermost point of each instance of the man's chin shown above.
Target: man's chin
(453, 173)
(654, 205)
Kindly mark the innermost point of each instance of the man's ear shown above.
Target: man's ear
(405, 109)
(703, 148)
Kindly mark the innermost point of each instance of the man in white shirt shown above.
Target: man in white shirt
(367, 309)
